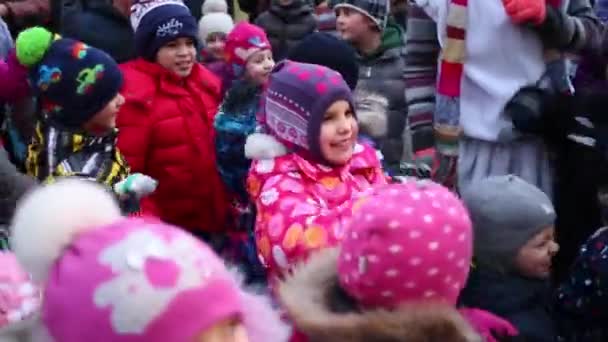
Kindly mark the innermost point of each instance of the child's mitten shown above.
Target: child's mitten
(526, 11)
(138, 184)
(488, 325)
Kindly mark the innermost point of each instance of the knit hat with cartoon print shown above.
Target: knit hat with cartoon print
(242, 42)
(125, 279)
(506, 212)
(158, 22)
(297, 97)
(406, 242)
(75, 81)
(377, 11)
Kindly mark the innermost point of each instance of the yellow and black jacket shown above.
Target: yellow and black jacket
(57, 152)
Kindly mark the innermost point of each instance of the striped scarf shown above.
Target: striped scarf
(447, 106)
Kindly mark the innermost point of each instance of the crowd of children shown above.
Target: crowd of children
(268, 181)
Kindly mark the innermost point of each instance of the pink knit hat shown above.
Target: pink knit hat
(114, 279)
(19, 298)
(407, 241)
(242, 42)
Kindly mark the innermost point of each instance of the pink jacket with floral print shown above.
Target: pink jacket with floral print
(304, 206)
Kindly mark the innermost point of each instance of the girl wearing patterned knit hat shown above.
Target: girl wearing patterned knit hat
(166, 123)
(129, 279)
(250, 58)
(78, 87)
(514, 247)
(396, 276)
(307, 165)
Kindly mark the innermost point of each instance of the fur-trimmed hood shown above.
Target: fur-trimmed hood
(323, 312)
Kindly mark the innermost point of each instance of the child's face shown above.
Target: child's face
(105, 120)
(178, 56)
(339, 131)
(259, 66)
(285, 3)
(230, 330)
(215, 44)
(534, 259)
(353, 26)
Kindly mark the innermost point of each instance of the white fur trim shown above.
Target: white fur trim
(49, 218)
(213, 23)
(214, 6)
(263, 146)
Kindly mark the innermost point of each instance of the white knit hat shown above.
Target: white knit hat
(214, 23)
(214, 6)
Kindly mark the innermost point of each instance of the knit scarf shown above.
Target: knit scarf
(447, 107)
(447, 126)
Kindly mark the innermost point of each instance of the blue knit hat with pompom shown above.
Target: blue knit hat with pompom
(75, 81)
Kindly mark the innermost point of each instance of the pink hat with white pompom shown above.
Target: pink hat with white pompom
(410, 241)
(108, 278)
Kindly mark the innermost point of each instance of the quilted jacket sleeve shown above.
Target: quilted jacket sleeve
(291, 222)
(134, 127)
(230, 136)
(20, 12)
(574, 29)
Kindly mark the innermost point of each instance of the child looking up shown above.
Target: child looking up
(514, 245)
(309, 166)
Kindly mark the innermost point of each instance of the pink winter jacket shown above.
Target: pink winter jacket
(303, 206)
(13, 86)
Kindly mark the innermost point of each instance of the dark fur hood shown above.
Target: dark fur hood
(323, 312)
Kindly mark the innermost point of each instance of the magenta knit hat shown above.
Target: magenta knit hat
(114, 279)
(295, 103)
(242, 42)
(410, 241)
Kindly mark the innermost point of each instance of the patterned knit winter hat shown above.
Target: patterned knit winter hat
(158, 22)
(75, 81)
(242, 42)
(19, 298)
(121, 279)
(296, 100)
(377, 11)
(407, 241)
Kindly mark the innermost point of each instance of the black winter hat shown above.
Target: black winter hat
(324, 49)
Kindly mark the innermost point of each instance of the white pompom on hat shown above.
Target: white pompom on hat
(214, 6)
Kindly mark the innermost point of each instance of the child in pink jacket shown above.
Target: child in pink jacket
(309, 167)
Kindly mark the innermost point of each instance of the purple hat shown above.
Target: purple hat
(296, 100)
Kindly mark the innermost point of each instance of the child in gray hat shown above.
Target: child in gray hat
(513, 247)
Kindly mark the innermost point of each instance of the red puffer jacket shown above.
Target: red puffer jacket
(166, 132)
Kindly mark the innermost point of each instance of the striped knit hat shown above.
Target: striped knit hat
(376, 10)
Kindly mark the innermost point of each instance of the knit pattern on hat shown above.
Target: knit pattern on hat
(158, 22)
(125, 279)
(19, 298)
(214, 23)
(406, 242)
(506, 212)
(75, 81)
(242, 42)
(377, 11)
(297, 97)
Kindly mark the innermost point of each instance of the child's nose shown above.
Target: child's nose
(553, 248)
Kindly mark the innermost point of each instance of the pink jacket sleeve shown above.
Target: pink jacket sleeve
(14, 85)
(291, 223)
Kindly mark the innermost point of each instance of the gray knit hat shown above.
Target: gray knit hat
(506, 212)
(377, 10)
